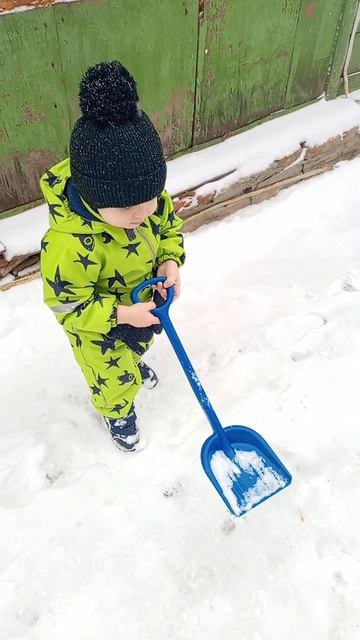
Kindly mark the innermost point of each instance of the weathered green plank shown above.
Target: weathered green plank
(355, 56)
(155, 39)
(313, 49)
(34, 124)
(244, 57)
(354, 82)
(334, 83)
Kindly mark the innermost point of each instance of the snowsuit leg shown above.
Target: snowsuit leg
(110, 369)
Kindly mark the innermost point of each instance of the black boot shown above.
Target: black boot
(148, 376)
(125, 432)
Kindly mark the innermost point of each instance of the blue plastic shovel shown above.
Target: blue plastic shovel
(244, 470)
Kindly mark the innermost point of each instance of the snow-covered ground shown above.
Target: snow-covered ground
(98, 544)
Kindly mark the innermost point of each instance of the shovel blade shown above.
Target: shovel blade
(252, 475)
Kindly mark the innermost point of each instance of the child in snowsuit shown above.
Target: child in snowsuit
(112, 226)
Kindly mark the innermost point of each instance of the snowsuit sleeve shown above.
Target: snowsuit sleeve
(171, 240)
(69, 283)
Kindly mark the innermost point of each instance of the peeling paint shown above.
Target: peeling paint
(29, 116)
(310, 10)
(201, 11)
(171, 120)
(259, 60)
(290, 7)
(19, 177)
(16, 5)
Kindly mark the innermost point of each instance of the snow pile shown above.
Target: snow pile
(242, 155)
(21, 234)
(256, 149)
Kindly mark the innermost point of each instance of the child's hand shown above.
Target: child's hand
(138, 315)
(170, 270)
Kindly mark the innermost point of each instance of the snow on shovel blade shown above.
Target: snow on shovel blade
(251, 476)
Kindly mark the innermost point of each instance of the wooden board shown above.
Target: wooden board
(34, 120)
(155, 39)
(244, 61)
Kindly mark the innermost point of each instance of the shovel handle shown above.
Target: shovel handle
(162, 310)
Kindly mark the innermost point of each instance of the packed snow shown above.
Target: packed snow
(230, 472)
(99, 544)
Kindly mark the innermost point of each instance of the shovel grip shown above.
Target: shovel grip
(162, 310)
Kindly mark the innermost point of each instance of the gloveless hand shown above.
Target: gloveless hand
(170, 270)
(138, 315)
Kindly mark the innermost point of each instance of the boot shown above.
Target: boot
(125, 432)
(148, 376)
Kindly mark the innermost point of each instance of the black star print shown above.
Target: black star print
(86, 223)
(126, 377)
(98, 298)
(171, 217)
(132, 248)
(53, 212)
(117, 278)
(59, 285)
(131, 233)
(104, 344)
(154, 227)
(101, 381)
(87, 242)
(106, 237)
(113, 362)
(78, 339)
(119, 407)
(51, 179)
(84, 260)
(43, 245)
(160, 210)
(80, 309)
(96, 391)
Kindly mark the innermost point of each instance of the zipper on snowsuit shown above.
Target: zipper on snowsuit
(152, 250)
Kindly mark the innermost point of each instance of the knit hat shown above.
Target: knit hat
(116, 157)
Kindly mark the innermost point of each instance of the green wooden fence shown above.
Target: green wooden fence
(354, 67)
(204, 68)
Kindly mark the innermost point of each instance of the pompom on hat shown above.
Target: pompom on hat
(116, 156)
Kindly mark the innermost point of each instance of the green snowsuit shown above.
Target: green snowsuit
(88, 267)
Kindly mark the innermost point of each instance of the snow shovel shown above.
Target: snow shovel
(243, 468)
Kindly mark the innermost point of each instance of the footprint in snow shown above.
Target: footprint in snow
(289, 331)
(228, 526)
(349, 282)
(307, 346)
(173, 489)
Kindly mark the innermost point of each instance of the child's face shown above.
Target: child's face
(128, 217)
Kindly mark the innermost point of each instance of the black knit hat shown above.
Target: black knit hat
(116, 157)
